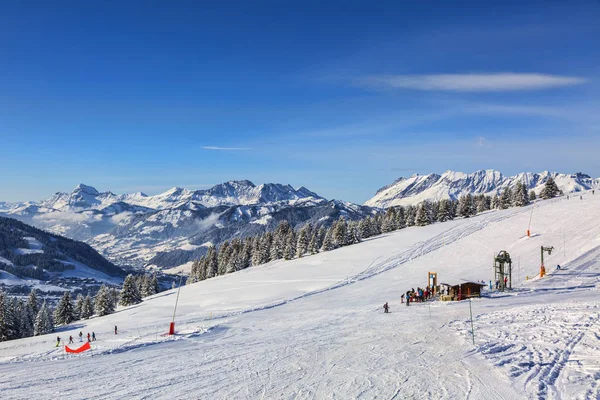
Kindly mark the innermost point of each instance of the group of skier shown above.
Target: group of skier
(90, 337)
(419, 295)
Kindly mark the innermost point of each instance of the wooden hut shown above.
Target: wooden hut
(460, 291)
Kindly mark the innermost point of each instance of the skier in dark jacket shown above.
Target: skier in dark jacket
(386, 308)
(93, 337)
(407, 298)
(57, 341)
(70, 339)
(115, 329)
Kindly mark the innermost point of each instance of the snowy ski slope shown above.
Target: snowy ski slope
(313, 328)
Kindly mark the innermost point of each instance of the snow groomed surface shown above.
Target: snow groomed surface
(315, 328)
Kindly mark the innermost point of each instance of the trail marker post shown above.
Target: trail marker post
(172, 325)
(472, 328)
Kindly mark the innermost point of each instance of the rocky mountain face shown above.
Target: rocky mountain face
(172, 228)
(451, 185)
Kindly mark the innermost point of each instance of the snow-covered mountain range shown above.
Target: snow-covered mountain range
(451, 185)
(177, 226)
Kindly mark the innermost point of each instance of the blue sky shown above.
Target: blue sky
(341, 98)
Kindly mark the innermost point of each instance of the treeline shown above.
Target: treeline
(20, 319)
(287, 243)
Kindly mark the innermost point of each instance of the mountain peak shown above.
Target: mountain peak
(86, 189)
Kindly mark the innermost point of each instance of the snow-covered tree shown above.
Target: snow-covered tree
(289, 250)
(328, 240)
(33, 303)
(78, 306)
(532, 195)
(422, 219)
(64, 313)
(103, 302)
(340, 232)
(26, 319)
(445, 210)
(389, 220)
(130, 294)
(223, 257)
(550, 189)
(506, 199)
(4, 332)
(400, 218)
(211, 262)
(87, 309)
(465, 205)
(43, 321)
(520, 195)
(304, 237)
(410, 214)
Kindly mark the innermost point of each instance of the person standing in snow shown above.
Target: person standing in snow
(407, 298)
(70, 339)
(402, 298)
(89, 337)
(115, 329)
(386, 308)
(80, 336)
(93, 337)
(505, 281)
(57, 341)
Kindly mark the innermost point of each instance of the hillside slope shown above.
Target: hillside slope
(314, 327)
(30, 253)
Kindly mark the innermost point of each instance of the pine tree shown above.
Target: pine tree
(389, 220)
(465, 205)
(211, 263)
(103, 302)
(33, 303)
(64, 313)
(304, 236)
(550, 189)
(410, 213)
(87, 309)
(43, 321)
(481, 204)
(364, 226)
(4, 334)
(78, 306)
(257, 251)
(422, 219)
(532, 195)
(223, 258)
(506, 199)
(520, 195)
(289, 251)
(445, 210)
(328, 240)
(354, 233)
(340, 233)
(26, 319)
(130, 294)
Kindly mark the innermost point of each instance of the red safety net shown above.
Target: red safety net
(83, 348)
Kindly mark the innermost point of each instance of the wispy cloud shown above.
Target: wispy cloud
(499, 82)
(483, 142)
(226, 148)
